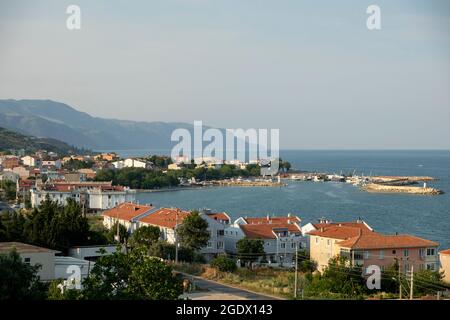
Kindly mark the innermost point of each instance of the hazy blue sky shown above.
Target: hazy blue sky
(312, 70)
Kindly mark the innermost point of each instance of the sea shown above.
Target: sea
(420, 215)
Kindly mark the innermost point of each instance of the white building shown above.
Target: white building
(282, 236)
(30, 161)
(132, 163)
(93, 195)
(34, 255)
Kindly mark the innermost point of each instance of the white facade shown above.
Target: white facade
(30, 161)
(66, 267)
(279, 247)
(96, 199)
(91, 252)
(131, 163)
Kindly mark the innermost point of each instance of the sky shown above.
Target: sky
(311, 69)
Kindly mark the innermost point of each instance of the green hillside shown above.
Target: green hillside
(10, 140)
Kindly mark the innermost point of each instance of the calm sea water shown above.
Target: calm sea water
(424, 216)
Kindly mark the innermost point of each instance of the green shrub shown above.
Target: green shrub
(224, 264)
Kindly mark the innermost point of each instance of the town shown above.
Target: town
(78, 212)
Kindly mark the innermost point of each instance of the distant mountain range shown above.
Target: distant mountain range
(50, 119)
(13, 140)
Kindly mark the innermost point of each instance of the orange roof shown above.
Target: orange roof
(266, 231)
(127, 211)
(445, 252)
(272, 220)
(165, 217)
(222, 216)
(342, 232)
(360, 225)
(379, 241)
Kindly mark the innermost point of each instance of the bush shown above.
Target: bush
(224, 264)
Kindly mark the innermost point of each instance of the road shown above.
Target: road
(219, 291)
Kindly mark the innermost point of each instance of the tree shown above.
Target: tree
(249, 250)
(133, 275)
(224, 264)
(124, 235)
(193, 233)
(146, 236)
(165, 250)
(18, 280)
(339, 279)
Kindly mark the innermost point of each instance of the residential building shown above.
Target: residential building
(34, 255)
(92, 195)
(88, 173)
(132, 163)
(9, 162)
(110, 156)
(444, 258)
(30, 161)
(127, 214)
(9, 176)
(51, 163)
(364, 247)
(23, 172)
(67, 266)
(174, 166)
(282, 236)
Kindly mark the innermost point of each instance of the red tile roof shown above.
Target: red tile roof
(127, 211)
(272, 220)
(266, 231)
(221, 216)
(342, 232)
(379, 241)
(445, 252)
(165, 217)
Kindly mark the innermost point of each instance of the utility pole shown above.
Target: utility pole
(176, 238)
(411, 289)
(399, 281)
(296, 270)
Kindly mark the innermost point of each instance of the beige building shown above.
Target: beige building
(33, 255)
(365, 247)
(444, 257)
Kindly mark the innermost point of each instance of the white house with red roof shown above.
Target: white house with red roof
(282, 236)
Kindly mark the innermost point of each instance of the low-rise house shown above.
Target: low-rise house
(174, 166)
(110, 156)
(132, 163)
(127, 214)
(362, 246)
(88, 173)
(66, 267)
(30, 161)
(444, 258)
(23, 172)
(92, 195)
(9, 162)
(51, 164)
(9, 176)
(34, 255)
(282, 236)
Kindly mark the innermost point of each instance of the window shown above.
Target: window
(366, 255)
(220, 233)
(328, 242)
(27, 261)
(381, 254)
(283, 245)
(406, 253)
(421, 252)
(219, 244)
(317, 240)
(431, 252)
(430, 266)
(209, 244)
(394, 251)
(357, 255)
(293, 245)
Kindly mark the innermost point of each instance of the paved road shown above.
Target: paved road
(221, 290)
